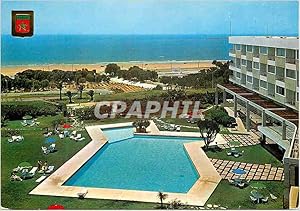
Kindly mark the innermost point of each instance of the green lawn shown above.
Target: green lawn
(15, 194)
(234, 198)
(252, 154)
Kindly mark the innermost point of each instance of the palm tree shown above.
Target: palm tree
(80, 89)
(162, 196)
(69, 94)
(91, 94)
(60, 87)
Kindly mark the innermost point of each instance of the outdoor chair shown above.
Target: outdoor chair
(10, 140)
(231, 181)
(82, 194)
(253, 199)
(52, 148)
(241, 185)
(45, 150)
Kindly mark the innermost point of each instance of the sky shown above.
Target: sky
(157, 16)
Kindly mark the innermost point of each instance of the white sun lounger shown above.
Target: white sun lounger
(50, 169)
(33, 170)
(40, 179)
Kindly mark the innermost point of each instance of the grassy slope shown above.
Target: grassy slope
(252, 154)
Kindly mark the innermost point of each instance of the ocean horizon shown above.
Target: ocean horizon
(94, 49)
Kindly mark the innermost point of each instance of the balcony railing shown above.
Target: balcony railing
(280, 77)
(256, 87)
(271, 94)
(290, 60)
(243, 52)
(264, 73)
(249, 69)
(291, 102)
(256, 54)
(271, 57)
(232, 51)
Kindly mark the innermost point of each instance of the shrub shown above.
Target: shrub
(15, 111)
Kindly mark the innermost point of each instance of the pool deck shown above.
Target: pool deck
(197, 195)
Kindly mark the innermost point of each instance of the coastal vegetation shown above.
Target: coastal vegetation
(203, 79)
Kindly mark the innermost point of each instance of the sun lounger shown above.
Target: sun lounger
(79, 139)
(15, 178)
(61, 136)
(228, 153)
(272, 196)
(49, 170)
(231, 181)
(40, 179)
(74, 133)
(33, 170)
(10, 140)
(265, 200)
(24, 124)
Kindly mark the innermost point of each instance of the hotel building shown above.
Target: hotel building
(264, 86)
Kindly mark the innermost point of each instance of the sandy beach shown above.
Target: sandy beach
(166, 66)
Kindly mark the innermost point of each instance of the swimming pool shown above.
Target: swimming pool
(138, 162)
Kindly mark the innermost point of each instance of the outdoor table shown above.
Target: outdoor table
(257, 195)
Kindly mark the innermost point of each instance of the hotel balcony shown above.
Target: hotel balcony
(232, 51)
(290, 60)
(280, 77)
(271, 57)
(264, 73)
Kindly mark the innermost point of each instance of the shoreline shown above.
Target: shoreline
(159, 66)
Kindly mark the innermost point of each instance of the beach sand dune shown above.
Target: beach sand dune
(157, 66)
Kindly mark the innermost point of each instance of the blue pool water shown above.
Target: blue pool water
(117, 134)
(146, 163)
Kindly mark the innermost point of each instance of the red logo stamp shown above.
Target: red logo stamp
(22, 23)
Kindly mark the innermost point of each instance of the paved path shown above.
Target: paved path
(244, 140)
(254, 171)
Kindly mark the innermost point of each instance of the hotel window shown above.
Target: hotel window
(291, 73)
(271, 69)
(238, 47)
(297, 54)
(243, 49)
(249, 48)
(263, 84)
(280, 52)
(256, 65)
(263, 50)
(279, 90)
(238, 62)
(238, 75)
(249, 79)
(244, 62)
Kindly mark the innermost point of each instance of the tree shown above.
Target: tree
(44, 84)
(162, 196)
(208, 130)
(69, 94)
(112, 69)
(60, 87)
(91, 94)
(80, 89)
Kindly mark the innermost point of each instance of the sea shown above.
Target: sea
(93, 49)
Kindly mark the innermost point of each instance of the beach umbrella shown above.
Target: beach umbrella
(27, 117)
(25, 165)
(258, 185)
(50, 140)
(238, 171)
(56, 207)
(66, 126)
